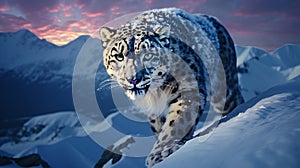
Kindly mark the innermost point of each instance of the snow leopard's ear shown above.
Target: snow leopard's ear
(162, 30)
(106, 34)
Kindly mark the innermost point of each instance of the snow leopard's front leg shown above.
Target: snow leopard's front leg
(178, 127)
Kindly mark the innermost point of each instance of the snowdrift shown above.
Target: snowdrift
(265, 133)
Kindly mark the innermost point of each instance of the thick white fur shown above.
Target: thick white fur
(154, 103)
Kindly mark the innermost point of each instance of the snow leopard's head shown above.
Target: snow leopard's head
(136, 56)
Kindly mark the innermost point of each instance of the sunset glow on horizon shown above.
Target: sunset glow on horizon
(268, 24)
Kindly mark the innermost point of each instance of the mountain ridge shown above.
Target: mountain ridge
(30, 34)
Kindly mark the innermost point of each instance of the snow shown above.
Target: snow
(288, 55)
(265, 134)
(45, 130)
(71, 147)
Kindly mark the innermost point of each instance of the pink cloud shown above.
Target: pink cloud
(250, 22)
(80, 6)
(243, 32)
(246, 15)
(68, 14)
(54, 10)
(11, 22)
(88, 14)
(4, 8)
(149, 1)
(61, 35)
(114, 8)
(75, 24)
(56, 19)
(27, 25)
(117, 13)
(43, 28)
(190, 5)
(67, 7)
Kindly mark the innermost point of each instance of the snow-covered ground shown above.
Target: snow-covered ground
(263, 132)
(45, 130)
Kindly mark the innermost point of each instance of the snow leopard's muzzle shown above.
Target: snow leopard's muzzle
(137, 85)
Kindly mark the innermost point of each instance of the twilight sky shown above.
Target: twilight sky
(264, 23)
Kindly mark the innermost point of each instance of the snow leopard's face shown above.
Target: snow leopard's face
(136, 58)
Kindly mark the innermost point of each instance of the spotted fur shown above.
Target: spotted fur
(153, 58)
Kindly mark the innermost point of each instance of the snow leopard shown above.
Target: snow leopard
(152, 59)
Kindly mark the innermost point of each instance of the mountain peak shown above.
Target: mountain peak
(24, 31)
(286, 46)
(81, 39)
(26, 34)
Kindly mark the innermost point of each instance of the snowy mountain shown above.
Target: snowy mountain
(24, 50)
(44, 130)
(261, 70)
(35, 76)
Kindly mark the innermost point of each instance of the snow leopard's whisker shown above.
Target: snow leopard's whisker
(106, 80)
(106, 83)
(115, 86)
(107, 86)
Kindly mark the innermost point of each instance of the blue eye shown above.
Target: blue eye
(119, 57)
(148, 57)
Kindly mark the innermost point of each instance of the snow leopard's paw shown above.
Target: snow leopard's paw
(160, 152)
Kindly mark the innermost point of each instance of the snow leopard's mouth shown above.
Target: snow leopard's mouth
(137, 92)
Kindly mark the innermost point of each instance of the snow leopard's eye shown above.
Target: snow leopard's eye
(119, 57)
(148, 57)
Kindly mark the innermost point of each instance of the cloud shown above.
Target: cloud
(267, 23)
(4, 8)
(12, 23)
(269, 7)
(92, 15)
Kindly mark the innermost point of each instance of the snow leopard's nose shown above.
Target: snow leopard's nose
(137, 78)
(133, 81)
